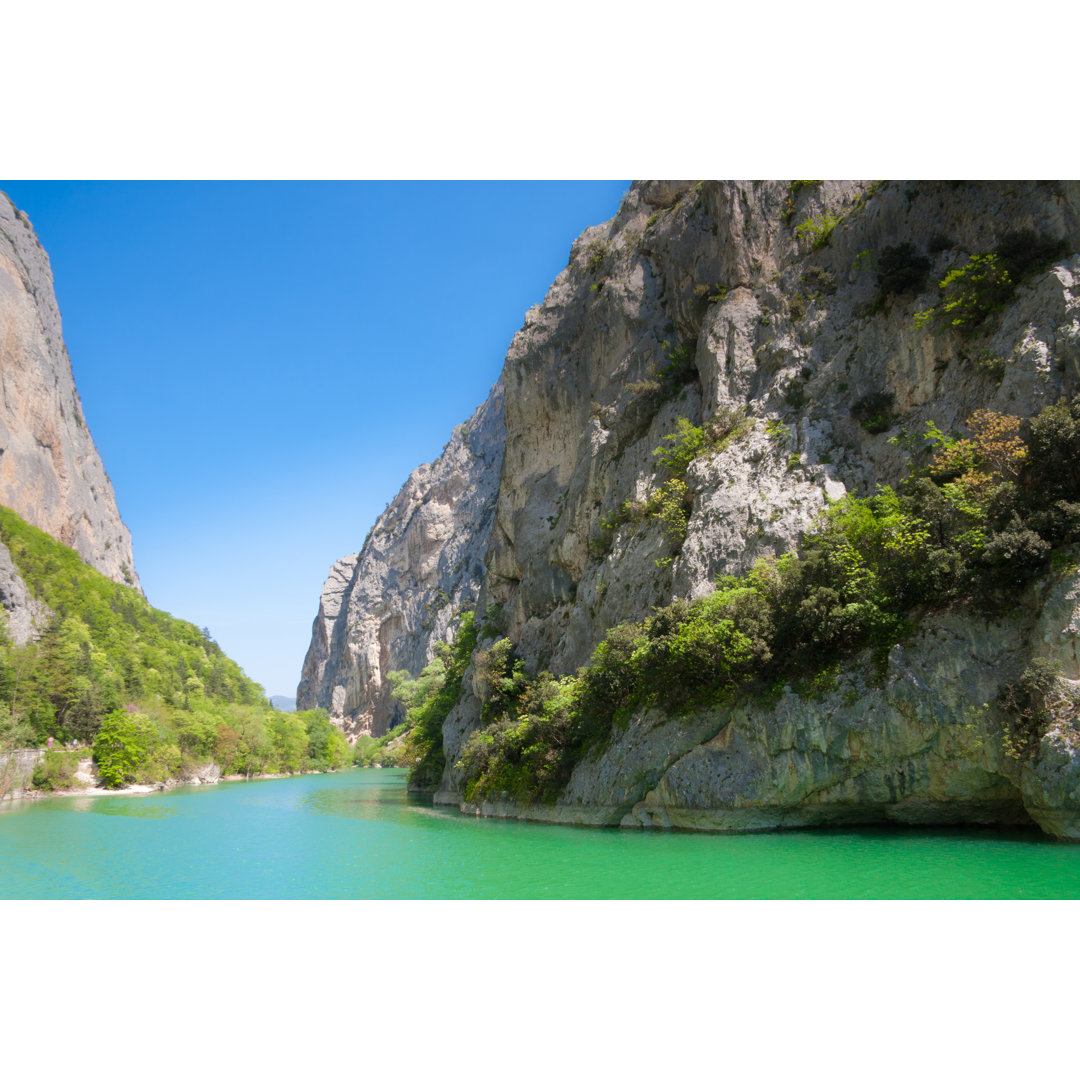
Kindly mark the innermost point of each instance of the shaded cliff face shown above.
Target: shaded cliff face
(790, 330)
(50, 471)
(384, 609)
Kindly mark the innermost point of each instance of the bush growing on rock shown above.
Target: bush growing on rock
(973, 526)
(901, 269)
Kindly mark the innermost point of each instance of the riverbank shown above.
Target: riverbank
(88, 783)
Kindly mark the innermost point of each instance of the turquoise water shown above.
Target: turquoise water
(359, 835)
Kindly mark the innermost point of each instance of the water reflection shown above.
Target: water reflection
(140, 805)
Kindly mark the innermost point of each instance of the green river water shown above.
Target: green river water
(359, 835)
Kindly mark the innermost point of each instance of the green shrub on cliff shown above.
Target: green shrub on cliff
(986, 283)
(428, 699)
(975, 526)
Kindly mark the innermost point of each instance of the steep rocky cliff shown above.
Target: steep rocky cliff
(385, 608)
(50, 471)
(761, 309)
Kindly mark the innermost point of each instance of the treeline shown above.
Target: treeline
(155, 696)
(975, 524)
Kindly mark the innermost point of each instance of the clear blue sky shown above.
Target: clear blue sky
(263, 364)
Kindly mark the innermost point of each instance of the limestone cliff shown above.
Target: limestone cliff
(771, 288)
(50, 471)
(762, 301)
(420, 567)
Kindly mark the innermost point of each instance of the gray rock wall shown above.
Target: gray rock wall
(25, 617)
(420, 567)
(16, 771)
(50, 471)
(791, 335)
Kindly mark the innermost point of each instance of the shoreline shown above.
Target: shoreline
(150, 789)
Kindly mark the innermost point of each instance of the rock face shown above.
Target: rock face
(914, 745)
(50, 471)
(716, 302)
(420, 567)
(27, 617)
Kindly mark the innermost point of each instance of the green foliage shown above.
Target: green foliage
(987, 282)
(711, 294)
(430, 697)
(990, 364)
(288, 734)
(975, 525)
(56, 770)
(663, 382)
(818, 228)
(795, 395)
(901, 269)
(595, 255)
(679, 448)
(128, 747)
(672, 501)
(153, 694)
(386, 751)
(777, 431)
(498, 676)
(875, 411)
(105, 646)
(787, 211)
(1024, 252)
(972, 291)
(1027, 706)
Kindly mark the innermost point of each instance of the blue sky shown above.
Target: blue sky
(263, 364)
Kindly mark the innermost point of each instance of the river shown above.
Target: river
(359, 835)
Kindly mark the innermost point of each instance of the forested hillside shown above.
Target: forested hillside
(155, 695)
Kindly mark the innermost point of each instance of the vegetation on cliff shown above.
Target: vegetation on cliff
(154, 695)
(974, 524)
(428, 699)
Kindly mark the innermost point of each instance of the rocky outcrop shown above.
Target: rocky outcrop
(17, 770)
(421, 565)
(25, 617)
(913, 744)
(787, 329)
(50, 471)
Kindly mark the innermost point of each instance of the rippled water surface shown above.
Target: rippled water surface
(359, 835)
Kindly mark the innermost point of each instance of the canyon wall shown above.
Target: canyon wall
(760, 303)
(420, 567)
(50, 471)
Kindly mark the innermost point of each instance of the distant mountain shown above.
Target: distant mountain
(283, 704)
